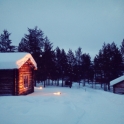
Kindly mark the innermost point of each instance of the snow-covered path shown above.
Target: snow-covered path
(73, 106)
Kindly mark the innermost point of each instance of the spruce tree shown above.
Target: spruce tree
(58, 64)
(77, 67)
(32, 42)
(48, 60)
(64, 65)
(5, 42)
(71, 64)
(86, 63)
(109, 63)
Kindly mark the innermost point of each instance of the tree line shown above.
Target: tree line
(56, 64)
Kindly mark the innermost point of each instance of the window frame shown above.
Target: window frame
(26, 80)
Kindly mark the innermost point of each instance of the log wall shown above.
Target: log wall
(7, 82)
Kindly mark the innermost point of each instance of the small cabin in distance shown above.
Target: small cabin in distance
(118, 85)
(17, 73)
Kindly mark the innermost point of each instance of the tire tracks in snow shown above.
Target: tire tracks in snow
(74, 103)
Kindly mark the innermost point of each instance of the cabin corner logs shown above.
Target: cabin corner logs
(17, 81)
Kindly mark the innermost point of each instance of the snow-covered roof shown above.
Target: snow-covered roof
(15, 60)
(117, 80)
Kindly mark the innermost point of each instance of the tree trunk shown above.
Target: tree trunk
(35, 83)
(88, 80)
(62, 82)
(79, 83)
(48, 81)
(92, 83)
(84, 83)
(44, 84)
(70, 84)
(105, 88)
(108, 86)
(58, 82)
(101, 84)
(55, 82)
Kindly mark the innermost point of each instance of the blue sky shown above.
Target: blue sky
(67, 23)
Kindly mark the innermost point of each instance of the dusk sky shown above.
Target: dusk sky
(67, 23)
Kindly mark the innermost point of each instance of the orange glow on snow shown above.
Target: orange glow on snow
(41, 88)
(57, 93)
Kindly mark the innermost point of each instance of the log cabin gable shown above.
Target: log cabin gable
(29, 64)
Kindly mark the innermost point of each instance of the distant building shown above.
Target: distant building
(16, 73)
(118, 85)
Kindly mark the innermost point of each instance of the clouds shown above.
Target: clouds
(68, 24)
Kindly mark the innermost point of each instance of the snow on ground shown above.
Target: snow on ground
(74, 106)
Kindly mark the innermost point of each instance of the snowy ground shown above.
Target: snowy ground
(73, 106)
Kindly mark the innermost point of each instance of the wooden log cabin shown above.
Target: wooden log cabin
(16, 73)
(118, 85)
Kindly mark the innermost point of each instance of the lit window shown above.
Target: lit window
(25, 78)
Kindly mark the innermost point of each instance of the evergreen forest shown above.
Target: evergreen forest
(56, 64)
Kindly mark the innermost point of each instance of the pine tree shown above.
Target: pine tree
(109, 63)
(48, 60)
(116, 61)
(77, 68)
(122, 53)
(98, 67)
(64, 64)
(122, 49)
(71, 64)
(5, 42)
(32, 42)
(58, 64)
(86, 63)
